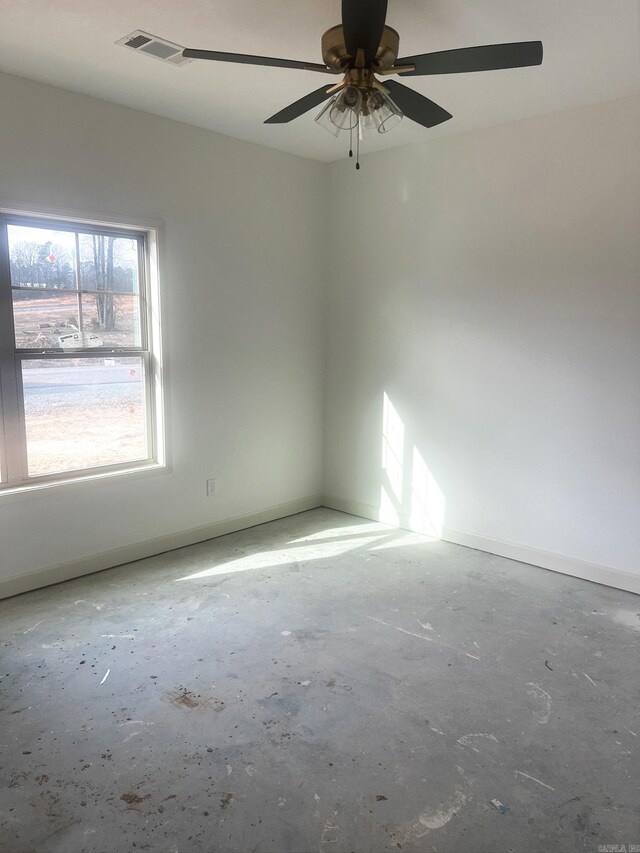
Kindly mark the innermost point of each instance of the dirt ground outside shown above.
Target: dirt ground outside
(73, 437)
(40, 320)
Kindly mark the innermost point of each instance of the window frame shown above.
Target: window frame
(13, 439)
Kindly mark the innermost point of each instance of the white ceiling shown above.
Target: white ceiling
(591, 54)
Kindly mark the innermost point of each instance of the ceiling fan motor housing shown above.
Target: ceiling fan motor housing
(336, 56)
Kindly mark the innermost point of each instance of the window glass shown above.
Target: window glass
(42, 317)
(108, 263)
(83, 413)
(42, 258)
(111, 320)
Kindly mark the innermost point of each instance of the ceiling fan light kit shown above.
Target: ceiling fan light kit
(364, 113)
(361, 49)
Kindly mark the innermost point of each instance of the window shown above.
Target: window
(79, 366)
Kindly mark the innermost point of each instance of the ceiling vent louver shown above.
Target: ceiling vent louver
(166, 51)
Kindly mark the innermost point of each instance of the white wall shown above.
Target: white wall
(244, 345)
(489, 285)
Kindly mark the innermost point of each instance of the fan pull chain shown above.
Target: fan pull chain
(350, 142)
(358, 146)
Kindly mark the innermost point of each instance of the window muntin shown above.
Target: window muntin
(76, 363)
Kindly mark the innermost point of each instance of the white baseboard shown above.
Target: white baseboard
(17, 584)
(149, 548)
(604, 575)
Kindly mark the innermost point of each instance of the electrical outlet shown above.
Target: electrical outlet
(211, 488)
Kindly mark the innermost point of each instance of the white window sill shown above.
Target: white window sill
(29, 490)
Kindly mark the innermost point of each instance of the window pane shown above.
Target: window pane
(84, 412)
(111, 320)
(41, 318)
(42, 258)
(108, 263)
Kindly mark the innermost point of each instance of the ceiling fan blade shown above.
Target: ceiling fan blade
(247, 59)
(488, 57)
(300, 107)
(415, 106)
(363, 24)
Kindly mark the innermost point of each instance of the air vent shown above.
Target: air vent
(158, 48)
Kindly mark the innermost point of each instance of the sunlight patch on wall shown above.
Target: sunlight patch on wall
(388, 512)
(427, 500)
(392, 448)
(392, 464)
(410, 496)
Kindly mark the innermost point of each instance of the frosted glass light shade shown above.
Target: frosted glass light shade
(324, 120)
(368, 113)
(386, 113)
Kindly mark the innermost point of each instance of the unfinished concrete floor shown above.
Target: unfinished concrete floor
(320, 683)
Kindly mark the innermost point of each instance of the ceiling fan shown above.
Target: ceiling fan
(363, 48)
